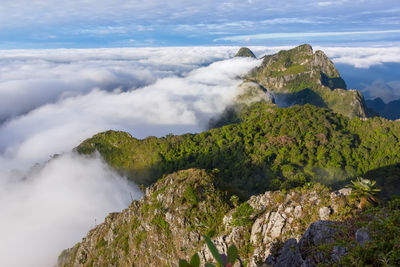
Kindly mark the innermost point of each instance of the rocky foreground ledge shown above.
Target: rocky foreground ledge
(276, 228)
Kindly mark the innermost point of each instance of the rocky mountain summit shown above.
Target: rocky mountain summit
(300, 76)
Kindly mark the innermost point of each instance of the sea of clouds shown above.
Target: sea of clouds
(51, 100)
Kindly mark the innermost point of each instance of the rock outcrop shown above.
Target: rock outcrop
(168, 224)
(305, 252)
(251, 92)
(165, 225)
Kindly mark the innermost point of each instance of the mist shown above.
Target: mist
(51, 207)
(52, 100)
(169, 105)
(29, 79)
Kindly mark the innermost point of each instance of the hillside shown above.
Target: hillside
(268, 148)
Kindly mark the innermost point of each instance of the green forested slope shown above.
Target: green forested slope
(269, 148)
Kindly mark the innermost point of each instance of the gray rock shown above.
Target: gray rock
(345, 191)
(289, 255)
(251, 92)
(338, 252)
(362, 236)
(324, 213)
(299, 254)
(276, 223)
(318, 233)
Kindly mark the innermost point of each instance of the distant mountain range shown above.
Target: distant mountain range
(389, 111)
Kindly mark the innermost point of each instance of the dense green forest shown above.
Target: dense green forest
(267, 148)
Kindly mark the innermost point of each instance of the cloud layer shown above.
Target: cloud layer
(362, 57)
(174, 101)
(53, 207)
(29, 79)
(53, 100)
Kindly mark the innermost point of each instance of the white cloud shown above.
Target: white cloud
(29, 79)
(172, 104)
(289, 21)
(69, 95)
(362, 57)
(327, 3)
(266, 36)
(387, 91)
(53, 207)
(332, 3)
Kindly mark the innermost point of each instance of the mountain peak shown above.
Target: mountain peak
(245, 52)
(304, 48)
(300, 76)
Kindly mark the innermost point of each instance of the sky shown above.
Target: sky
(134, 23)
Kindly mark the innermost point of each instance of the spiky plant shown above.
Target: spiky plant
(222, 259)
(364, 191)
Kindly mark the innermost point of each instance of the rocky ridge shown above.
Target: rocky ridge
(169, 221)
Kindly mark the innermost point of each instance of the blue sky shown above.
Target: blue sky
(133, 23)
